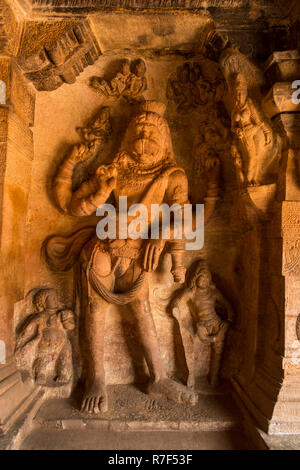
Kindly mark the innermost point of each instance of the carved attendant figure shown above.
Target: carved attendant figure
(194, 307)
(116, 86)
(130, 85)
(42, 345)
(254, 135)
(115, 270)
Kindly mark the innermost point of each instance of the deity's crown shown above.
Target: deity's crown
(152, 106)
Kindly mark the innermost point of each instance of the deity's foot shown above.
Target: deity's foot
(94, 399)
(171, 390)
(62, 379)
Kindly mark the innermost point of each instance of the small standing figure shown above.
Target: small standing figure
(42, 346)
(194, 307)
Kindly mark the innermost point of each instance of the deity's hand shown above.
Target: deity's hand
(82, 152)
(173, 308)
(212, 169)
(107, 177)
(179, 274)
(153, 251)
(204, 336)
(239, 132)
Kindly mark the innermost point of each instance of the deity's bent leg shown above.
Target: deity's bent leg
(95, 398)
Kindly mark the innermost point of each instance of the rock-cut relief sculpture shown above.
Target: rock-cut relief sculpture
(93, 138)
(130, 82)
(190, 90)
(211, 141)
(253, 136)
(256, 147)
(115, 270)
(43, 347)
(197, 90)
(197, 308)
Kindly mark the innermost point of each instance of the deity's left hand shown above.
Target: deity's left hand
(212, 169)
(153, 251)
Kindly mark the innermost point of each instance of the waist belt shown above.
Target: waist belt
(113, 297)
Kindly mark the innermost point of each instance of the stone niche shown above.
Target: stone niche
(58, 114)
(84, 78)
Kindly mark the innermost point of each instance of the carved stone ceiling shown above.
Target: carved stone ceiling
(271, 7)
(144, 31)
(32, 23)
(56, 39)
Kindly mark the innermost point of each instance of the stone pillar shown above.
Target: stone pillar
(16, 154)
(272, 393)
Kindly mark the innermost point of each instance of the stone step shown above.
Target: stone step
(88, 439)
(132, 410)
(134, 420)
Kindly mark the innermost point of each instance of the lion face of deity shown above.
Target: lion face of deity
(147, 139)
(146, 142)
